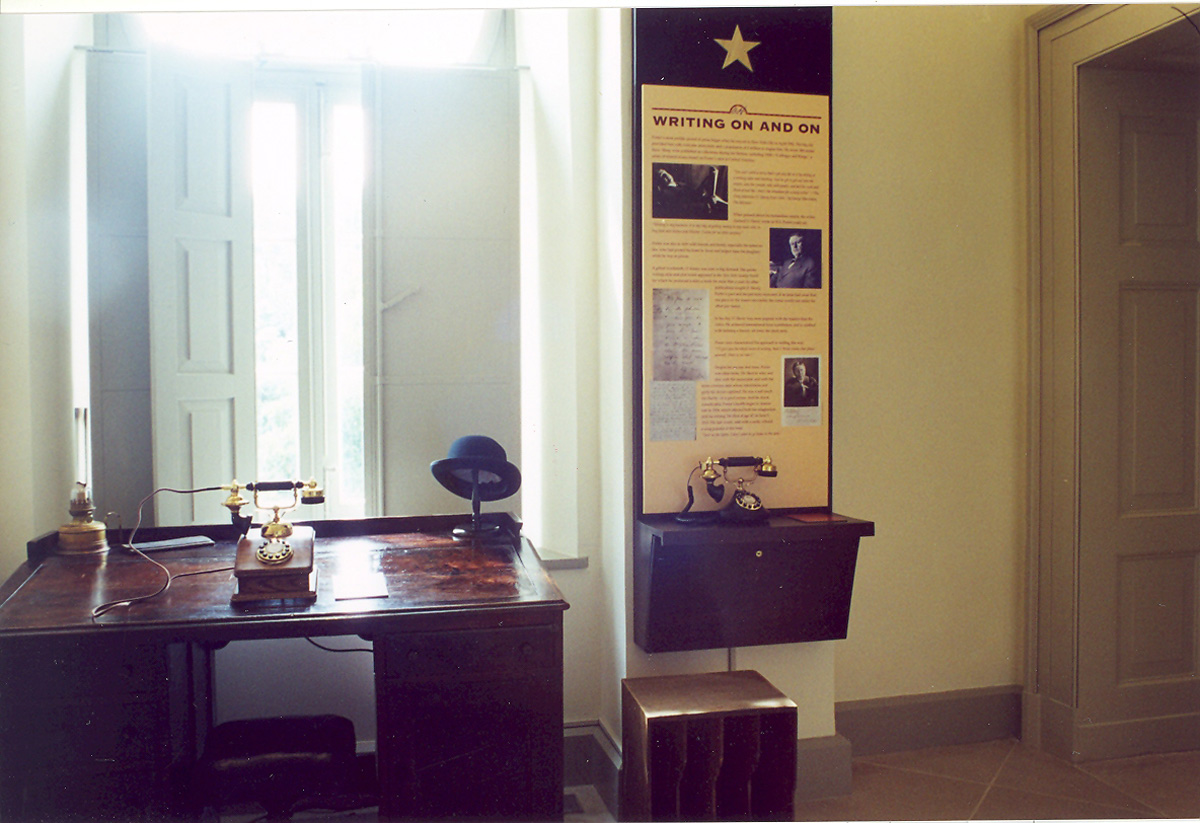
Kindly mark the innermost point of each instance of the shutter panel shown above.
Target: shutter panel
(442, 282)
(201, 280)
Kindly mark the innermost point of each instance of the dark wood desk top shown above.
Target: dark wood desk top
(433, 581)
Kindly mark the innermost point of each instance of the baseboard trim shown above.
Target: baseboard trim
(1067, 733)
(906, 722)
(1128, 738)
(591, 759)
(822, 767)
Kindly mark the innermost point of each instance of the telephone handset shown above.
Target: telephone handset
(275, 561)
(745, 506)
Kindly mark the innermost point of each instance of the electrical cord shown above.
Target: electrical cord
(105, 608)
(337, 651)
(1188, 18)
(18, 588)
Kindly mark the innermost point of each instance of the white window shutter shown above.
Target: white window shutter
(201, 280)
(441, 287)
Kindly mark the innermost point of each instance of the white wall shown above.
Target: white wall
(37, 456)
(16, 417)
(615, 343)
(50, 40)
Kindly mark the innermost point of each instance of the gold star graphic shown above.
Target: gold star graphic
(737, 49)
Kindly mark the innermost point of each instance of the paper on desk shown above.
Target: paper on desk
(818, 517)
(359, 585)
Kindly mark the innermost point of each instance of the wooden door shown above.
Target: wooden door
(1112, 619)
(1139, 333)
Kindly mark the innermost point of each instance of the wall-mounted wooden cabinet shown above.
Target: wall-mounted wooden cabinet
(727, 586)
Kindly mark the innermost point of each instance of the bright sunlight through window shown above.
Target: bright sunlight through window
(308, 309)
(276, 336)
(409, 37)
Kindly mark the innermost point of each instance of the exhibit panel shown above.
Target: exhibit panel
(737, 543)
(734, 281)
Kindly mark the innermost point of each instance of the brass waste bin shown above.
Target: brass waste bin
(716, 746)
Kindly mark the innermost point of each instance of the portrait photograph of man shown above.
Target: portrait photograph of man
(795, 256)
(800, 376)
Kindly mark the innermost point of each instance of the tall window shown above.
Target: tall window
(368, 359)
(307, 165)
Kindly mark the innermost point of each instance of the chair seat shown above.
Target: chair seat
(276, 762)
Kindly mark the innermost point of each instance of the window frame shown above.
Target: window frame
(315, 90)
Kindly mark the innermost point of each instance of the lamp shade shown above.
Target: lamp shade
(477, 460)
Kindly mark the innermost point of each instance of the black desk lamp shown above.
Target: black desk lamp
(477, 468)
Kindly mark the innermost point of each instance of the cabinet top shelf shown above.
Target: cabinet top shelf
(798, 526)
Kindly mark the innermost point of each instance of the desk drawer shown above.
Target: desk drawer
(473, 747)
(82, 796)
(70, 669)
(86, 731)
(469, 654)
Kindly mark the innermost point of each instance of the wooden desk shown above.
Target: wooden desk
(103, 718)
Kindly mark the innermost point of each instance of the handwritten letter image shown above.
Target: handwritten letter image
(680, 334)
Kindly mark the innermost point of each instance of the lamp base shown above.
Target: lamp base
(475, 530)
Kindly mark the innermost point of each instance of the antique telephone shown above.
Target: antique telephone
(745, 506)
(275, 561)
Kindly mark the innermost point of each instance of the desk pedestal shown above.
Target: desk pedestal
(101, 730)
(467, 720)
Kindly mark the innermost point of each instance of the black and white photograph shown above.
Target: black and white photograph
(795, 256)
(801, 391)
(800, 386)
(690, 191)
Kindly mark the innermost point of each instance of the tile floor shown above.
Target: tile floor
(581, 804)
(1003, 780)
(1000, 780)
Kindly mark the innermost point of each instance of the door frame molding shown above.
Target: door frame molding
(1058, 40)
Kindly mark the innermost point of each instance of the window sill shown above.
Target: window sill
(561, 562)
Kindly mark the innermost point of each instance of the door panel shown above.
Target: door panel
(1158, 178)
(1156, 612)
(1139, 304)
(1157, 412)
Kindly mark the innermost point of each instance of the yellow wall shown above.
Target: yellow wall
(929, 286)
(929, 295)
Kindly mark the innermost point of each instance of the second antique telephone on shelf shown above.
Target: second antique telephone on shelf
(745, 506)
(275, 561)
